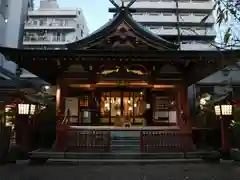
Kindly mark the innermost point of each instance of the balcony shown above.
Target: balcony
(44, 40)
(198, 32)
(154, 5)
(172, 5)
(190, 31)
(170, 17)
(154, 18)
(207, 5)
(196, 46)
(53, 13)
(195, 18)
(50, 26)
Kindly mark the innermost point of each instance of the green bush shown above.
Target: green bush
(236, 114)
(235, 136)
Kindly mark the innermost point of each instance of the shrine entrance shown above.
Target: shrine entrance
(129, 105)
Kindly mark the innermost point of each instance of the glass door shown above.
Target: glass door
(110, 107)
(139, 107)
(105, 106)
(127, 106)
(116, 107)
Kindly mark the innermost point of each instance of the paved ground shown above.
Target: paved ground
(181, 171)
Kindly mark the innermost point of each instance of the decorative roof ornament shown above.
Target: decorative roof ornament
(122, 4)
(123, 32)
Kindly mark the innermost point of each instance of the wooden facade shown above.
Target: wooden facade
(122, 70)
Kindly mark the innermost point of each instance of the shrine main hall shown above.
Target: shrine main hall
(122, 76)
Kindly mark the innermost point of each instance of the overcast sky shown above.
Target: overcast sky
(95, 11)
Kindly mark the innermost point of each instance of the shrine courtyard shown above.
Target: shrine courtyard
(167, 171)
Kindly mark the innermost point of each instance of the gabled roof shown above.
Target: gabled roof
(121, 32)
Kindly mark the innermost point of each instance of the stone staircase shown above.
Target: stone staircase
(125, 145)
(125, 148)
(125, 142)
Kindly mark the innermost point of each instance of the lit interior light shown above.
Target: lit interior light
(46, 87)
(6, 20)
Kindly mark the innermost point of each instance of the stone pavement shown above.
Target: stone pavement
(172, 171)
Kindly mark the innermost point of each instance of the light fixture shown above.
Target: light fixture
(6, 20)
(26, 109)
(46, 87)
(223, 110)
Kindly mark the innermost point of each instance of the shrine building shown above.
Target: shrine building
(122, 76)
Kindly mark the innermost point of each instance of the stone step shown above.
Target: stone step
(126, 138)
(119, 161)
(126, 142)
(121, 155)
(125, 148)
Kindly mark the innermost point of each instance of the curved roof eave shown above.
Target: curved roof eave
(152, 37)
(107, 29)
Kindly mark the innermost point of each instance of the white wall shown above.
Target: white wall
(17, 13)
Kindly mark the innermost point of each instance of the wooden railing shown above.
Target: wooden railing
(99, 140)
(89, 140)
(155, 141)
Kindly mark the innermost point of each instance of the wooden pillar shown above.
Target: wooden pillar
(61, 129)
(182, 107)
(93, 107)
(61, 94)
(184, 117)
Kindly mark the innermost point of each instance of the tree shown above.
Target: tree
(227, 14)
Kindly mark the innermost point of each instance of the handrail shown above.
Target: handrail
(66, 117)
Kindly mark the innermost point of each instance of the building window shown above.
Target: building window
(153, 14)
(199, 14)
(200, 28)
(78, 25)
(167, 27)
(82, 33)
(138, 14)
(184, 14)
(35, 22)
(167, 14)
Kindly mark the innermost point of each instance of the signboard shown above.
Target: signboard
(71, 103)
(122, 83)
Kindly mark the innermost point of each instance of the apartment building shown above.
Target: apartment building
(13, 13)
(52, 27)
(177, 21)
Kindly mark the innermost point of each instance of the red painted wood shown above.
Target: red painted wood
(154, 141)
(61, 137)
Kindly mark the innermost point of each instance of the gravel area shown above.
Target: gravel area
(180, 171)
